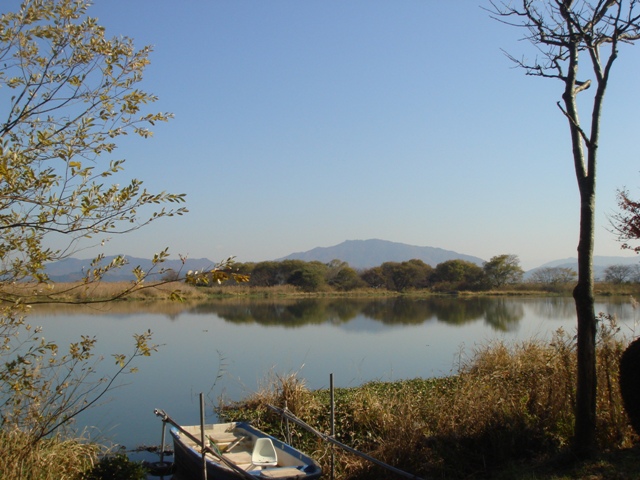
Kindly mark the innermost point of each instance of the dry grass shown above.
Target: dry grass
(509, 409)
(243, 290)
(50, 459)
(103, 291)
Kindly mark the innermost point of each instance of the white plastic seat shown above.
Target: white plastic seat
(264, 453)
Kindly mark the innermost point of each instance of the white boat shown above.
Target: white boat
(237, 450)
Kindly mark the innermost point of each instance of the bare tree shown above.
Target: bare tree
(565, 32)
(618, 273)
(554, 276)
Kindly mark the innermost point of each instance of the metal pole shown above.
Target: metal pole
(203, 439)
(164, 426)
(333, 424)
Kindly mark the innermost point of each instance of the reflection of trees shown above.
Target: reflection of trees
(399, 310)
(625, 308)
(171, 310)
(503, 314)
(498, 313)
(562, 308)
(388, 310)
(283, 312)
(459, 310)
(554, 308)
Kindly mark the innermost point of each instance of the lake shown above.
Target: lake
(227, 348)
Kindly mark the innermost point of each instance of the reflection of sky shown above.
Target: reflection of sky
(197, 348)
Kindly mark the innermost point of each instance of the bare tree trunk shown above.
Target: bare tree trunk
(585, 409)
(586, 385)
(563, 30)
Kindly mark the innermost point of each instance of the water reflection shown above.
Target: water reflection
(358, 339)
(502, 314)
(554, 307)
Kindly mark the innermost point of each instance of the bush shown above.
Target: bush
(116, 467)
(52, 458)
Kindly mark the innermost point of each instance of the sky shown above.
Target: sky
(302, 124)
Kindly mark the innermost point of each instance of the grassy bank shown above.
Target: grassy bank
(160, 291)
(507, 414)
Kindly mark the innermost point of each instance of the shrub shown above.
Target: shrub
(116, 467)
(52, 458)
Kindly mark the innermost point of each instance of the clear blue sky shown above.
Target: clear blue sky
(306, 123)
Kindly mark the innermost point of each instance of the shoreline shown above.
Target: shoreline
(180, 292)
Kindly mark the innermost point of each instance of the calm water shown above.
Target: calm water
(227, 348)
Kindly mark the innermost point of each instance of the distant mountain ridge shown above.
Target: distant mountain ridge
(600, 264)
(361, 254)
(601, 261)
(73, 269)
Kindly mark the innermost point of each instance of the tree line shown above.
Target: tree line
(451, 275)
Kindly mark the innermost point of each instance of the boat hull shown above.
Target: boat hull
(292, 464)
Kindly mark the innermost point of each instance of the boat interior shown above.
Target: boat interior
(248, 451)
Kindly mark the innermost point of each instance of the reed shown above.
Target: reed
(78, 292)
(506, 406)
(48, 459)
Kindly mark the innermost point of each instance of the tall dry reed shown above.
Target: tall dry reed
(48, 459)
(507, 403)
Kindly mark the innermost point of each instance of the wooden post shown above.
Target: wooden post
(286, 425)
(203, 438)
(333, 423)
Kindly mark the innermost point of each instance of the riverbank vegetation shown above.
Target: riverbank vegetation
(502, 274)
(507, 413)
(61, 457)
(298, 278)
(49, 459)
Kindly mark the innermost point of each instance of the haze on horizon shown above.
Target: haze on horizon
(305, 124)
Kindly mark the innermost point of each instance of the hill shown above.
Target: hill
(361, 254)
(73, 269)
(600, 263)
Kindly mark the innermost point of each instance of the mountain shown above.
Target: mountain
(72, 269)
(361, 254)
(597, 261)
(600, 263)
